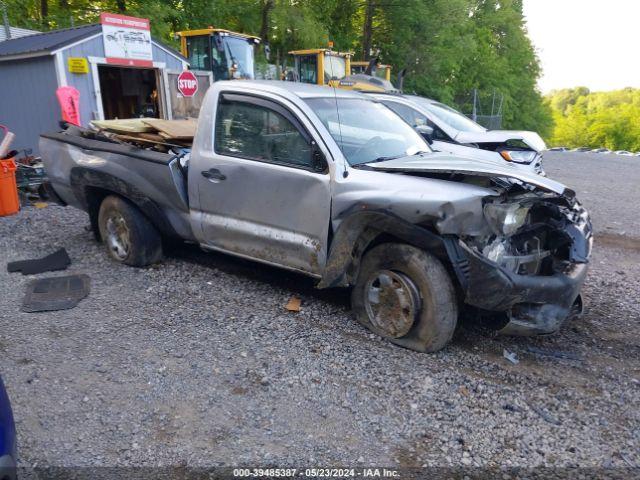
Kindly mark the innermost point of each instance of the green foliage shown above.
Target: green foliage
(449, 47)
(596, 119)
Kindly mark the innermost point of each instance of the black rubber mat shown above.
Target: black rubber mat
(58, 260)
(55, 293)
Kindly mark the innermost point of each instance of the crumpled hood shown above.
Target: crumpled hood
(532, 139)
(445, 163)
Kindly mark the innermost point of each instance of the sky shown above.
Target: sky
(591, 43)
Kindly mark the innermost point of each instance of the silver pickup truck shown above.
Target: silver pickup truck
(336, 186)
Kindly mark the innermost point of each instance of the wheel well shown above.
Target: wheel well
(438, 251)
(372, 237)
(94, 197)
(91, 187)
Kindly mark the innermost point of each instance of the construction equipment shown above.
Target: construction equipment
(324, 66)
(320, 66)
(225, 53)
(380, 70)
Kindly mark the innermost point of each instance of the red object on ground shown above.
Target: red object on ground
(187, 83)
(69, 99)
(9, 201)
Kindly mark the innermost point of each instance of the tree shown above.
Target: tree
(596, 119)
(367, 29)
(44, 13)
(449, 47)
(267, 6)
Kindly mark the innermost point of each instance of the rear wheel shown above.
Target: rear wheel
(406, 295)
(129, 236)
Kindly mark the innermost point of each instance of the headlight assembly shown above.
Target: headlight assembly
(505, 219)
(518, 156)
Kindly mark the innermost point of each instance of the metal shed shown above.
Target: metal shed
(9, 32)
(33, 67)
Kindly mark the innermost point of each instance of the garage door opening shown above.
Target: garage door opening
(129, 92)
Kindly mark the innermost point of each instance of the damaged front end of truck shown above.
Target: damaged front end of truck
(521, 253)
(531, 264)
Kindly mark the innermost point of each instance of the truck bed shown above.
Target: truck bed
(81, 164)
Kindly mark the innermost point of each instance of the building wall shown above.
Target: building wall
(28, 104)
(84, 81)
(94, 47)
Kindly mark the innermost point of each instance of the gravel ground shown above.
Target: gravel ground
(607, 183)
(196, 362)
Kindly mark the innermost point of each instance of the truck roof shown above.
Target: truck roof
(299, 89)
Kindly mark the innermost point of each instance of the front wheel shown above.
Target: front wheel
(129, 236)
(406, 295)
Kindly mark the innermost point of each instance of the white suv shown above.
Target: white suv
(448, 130)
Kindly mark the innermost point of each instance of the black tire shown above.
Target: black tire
(379, 298)
(136, 241)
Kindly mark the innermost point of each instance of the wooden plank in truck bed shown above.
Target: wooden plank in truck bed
(127, 125)
(173, 129)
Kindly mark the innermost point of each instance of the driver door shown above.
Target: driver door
(261, 192)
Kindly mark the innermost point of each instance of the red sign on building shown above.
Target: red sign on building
(187, 83)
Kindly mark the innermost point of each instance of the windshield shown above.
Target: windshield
(451, 117)
(381, 72)
(240, 52)
(367, 131)
(334, 67)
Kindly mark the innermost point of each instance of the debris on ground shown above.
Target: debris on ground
(511, 356)
(546, 416)
(41, 204)
(55, 293)
(293, 305)
(30, 176)
(58, 260)
(553, 353)
(627, 460)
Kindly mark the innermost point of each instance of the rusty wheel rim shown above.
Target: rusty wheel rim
(392, 302)
(118, 236)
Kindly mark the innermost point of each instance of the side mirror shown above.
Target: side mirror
(426, 131)
(318, 162)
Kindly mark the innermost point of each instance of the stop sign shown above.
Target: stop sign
(187, 83)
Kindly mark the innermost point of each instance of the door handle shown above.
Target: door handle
(214, 175)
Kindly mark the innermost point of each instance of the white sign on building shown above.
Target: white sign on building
(127, 40)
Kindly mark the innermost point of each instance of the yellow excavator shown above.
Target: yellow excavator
(225, 53)
(324, 66)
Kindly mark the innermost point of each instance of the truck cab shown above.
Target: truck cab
(229, 55)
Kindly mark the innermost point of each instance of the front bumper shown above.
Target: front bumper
(535, 304)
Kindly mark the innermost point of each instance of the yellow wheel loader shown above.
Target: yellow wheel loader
(324, 66)
(319, 66)
(225, 53)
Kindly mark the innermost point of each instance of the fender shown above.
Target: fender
(358, 228)
(84, 179)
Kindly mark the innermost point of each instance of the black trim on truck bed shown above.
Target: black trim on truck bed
(108, 147)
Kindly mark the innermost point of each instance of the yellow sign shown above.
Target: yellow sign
(78, 65)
